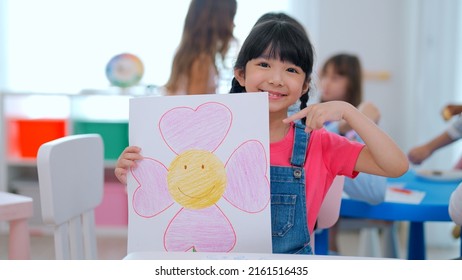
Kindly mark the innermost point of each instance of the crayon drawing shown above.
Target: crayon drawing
(195, 180)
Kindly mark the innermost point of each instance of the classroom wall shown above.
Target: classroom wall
(374, 31)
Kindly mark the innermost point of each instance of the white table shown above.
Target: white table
(17, 209)
(231, 256)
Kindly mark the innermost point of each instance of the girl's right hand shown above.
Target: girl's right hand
(318, 114)
(126, 160)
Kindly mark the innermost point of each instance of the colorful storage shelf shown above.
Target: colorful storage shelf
(33, 119)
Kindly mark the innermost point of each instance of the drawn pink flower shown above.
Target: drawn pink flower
(196, 179)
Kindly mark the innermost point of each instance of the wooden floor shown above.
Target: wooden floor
(112, 245)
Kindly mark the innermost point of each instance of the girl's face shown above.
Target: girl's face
(283, 80)
(333, 85)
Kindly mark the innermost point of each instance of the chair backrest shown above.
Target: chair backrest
(330, 207)
(71, 180)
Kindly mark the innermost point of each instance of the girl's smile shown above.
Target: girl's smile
(284, 81)
(273, 95)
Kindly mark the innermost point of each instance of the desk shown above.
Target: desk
(17, 209)
(434, 207)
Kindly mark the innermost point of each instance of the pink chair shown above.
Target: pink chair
(330, 207)
(328, 213)
(17, 209)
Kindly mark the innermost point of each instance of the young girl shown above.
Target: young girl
(277, 57)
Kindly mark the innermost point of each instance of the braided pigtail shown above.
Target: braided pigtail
(303, 103)
(236, 87)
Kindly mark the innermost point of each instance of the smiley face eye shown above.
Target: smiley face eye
(203, 166)
(185, 167)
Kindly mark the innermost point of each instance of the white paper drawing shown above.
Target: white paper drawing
(195, 190)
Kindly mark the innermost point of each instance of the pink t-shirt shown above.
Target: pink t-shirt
(328, 155)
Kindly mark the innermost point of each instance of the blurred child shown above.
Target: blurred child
(208, 31)
(452, 133)
(341, 79)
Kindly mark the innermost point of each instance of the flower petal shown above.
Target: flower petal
(205, 230)
(204, 128)
(248, 185)
(152, 196)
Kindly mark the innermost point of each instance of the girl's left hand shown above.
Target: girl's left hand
(318, 114)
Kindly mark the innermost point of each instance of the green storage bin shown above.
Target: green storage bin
(114, 134)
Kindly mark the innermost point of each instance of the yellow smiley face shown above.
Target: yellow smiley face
(196, 179)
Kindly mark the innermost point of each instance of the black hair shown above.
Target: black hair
(281, 39)
(279, 17)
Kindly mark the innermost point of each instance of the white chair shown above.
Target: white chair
(369, 237)
(372, 245)
(16, 210)
(329, 211)
(71, 179)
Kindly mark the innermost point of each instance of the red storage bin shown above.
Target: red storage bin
(25, 136)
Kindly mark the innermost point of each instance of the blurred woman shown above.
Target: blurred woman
(207, 33)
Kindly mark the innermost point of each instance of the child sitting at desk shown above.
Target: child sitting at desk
(454, 132)
(420, 153)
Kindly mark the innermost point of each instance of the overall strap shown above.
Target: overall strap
(301, 139)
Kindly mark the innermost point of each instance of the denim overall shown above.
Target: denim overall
(288, 204)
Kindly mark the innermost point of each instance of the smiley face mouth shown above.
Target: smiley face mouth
(200, 196)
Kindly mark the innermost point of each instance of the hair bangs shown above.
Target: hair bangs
(278, 40)
(283, 47)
